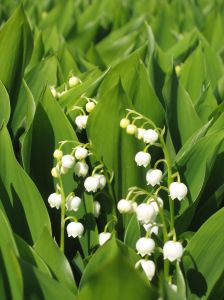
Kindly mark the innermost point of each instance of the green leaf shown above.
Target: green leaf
(4, 104)
(20, 198)
(203, 261)
(113, 265)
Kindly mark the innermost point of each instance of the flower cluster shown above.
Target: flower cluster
(150, 213)
(76, 161)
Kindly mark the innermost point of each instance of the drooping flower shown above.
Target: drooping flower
(172, 251)
(131, 129)
(145, 213)
(154, 177)
(67, 161)
(145, 246)
(104, 237)
(177, 190)
(142, 158)
(75, 229)
(81, 169)
(125, 206)
(148, 267)
(73, 81)
(54, 200)
(124, 123)
(81, 122)
(155, 205)
(102, 180)
(91, 184)
(90, 106)
(96, 208)
(81, 153)
(58, 154)
(73, 203)
(140, 133)
(150, 136)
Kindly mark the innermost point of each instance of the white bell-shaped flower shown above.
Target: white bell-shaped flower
(90, 106)
(145, 213)
(142, 159)
(131, 129)
(148, 267)
(55, 200)
(124, 123)
(81, 169)
(145, 246)
(140, 133)
(73, 203)
(154, 204)
(81, 153)
(178, 190)
(151, 228)
(96, 208)
(75, 229)
(172, 251)
(125, 206)
(81, 122)
(102, 180)
(91, 184)
(154, 177)
(150, 136)
(67, 161)
(104, 237)
(73, 81)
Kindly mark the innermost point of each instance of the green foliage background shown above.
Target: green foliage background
(125, 53)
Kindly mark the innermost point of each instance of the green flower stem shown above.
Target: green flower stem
(62, 235)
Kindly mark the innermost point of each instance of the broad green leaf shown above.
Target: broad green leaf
(20, 198)
(4, 104)
(113, 265)
(15, 51)
(49, 251)
(203, 260)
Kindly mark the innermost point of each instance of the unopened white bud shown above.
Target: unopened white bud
(81, 169)
(177, 190)
(140, 133)
(150, 136)
(148, 267)
(96, 208)
(131, 129)
(145, 246)
(73, 81)
(53, 91)
(73, 203)
(58, 154)
(55, 172)
(142, 158)
(104, 237)
(124, 206)
(75, 229)
(81, 153)
(124, 123)
(90, 106)
(67, 161)
(54, 200)
(172, 251)
(154, 177)
(145, 213)
(81, 122)
(91, 184)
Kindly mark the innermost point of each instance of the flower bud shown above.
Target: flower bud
(81, 153)
(154, 176)
(58, 154)
(75, 229)
(96, 208)
(81, 122)
(154, 204)
(142, 158)
(151, 228)
(140, 133)
(124, 123)
(131, 129)
(104, 237)
(73, 81)
(53, 91)
(102, 180)
(148, 267)
(124, 206)
(178, 69)
(173, 287)
(73, 203)
(177, 190)
(145, 246)
(150, 136)
(67, 161)
(81, 169)
(55, 172)
(90, 106)
(54, 200)
(91, 184)
(145, 213)
(172, 251)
